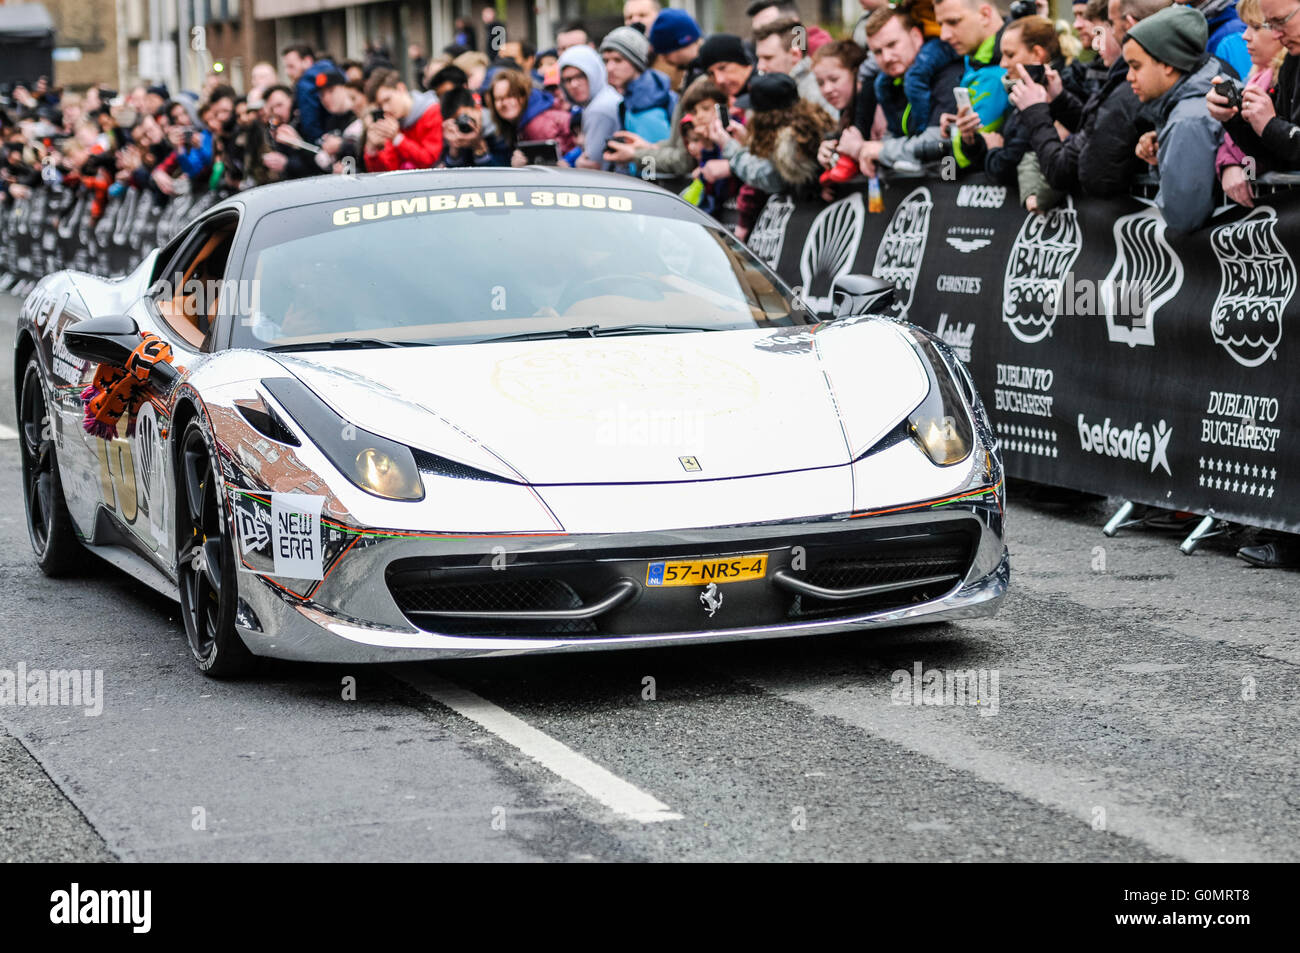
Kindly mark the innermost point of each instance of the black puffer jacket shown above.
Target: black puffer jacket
(1279, 148)
(1098, 158)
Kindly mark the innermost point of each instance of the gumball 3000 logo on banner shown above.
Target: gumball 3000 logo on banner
(1136, 328)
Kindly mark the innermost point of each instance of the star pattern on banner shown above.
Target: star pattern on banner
(1237, 476)
(1021, 438)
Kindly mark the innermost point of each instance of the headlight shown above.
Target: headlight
(379, 466)
(386, 476)
(941, 438)
(941, 424)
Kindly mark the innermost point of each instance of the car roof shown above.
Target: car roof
(341, 188)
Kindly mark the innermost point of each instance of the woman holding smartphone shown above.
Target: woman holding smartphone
(522, 113)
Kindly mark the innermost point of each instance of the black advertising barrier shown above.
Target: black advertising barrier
(52, 229)
(1113, 357)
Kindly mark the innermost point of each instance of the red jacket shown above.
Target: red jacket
(416, 147)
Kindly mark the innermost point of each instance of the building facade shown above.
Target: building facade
(177, 42)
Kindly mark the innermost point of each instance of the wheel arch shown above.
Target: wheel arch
(184, 411)
(24, 348)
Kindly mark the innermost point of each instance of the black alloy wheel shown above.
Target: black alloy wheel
(206, 572)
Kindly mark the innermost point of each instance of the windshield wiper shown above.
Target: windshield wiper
(582, 332)
(595, 330)
(344, 343)
(646, 328)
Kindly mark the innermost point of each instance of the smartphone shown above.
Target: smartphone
(376, 114)
(1037, 73)
(540, 151)
(962, 95)
(723, 116)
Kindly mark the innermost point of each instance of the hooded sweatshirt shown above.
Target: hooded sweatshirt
(418, 145)
(600, 111)
(1187, 140)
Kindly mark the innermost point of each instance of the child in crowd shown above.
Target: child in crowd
(708, 198)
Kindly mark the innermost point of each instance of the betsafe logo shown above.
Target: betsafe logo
(1131, 444)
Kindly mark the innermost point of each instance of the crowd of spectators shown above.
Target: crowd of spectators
(1201, 95)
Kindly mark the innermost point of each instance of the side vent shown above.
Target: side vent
(266, 422)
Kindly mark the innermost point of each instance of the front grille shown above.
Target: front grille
(508, 595)
(420, 592)
(549, 579)
(940, 555)
(855, 573)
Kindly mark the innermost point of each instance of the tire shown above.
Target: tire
(206, 574)
(49, 526)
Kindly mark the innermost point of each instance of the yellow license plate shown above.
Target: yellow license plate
(701, 572)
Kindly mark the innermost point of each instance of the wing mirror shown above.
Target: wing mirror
(110, 340)
(106, 340)
(861, 294)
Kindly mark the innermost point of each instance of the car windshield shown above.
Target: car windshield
(470, 265)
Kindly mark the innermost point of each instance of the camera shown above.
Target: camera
(932, 150)
(1231, 90)
(465, 125)
(1023, 8)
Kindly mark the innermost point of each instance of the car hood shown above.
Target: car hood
(633, 409)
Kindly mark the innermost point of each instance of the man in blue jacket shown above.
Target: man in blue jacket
(648, 99)
(302, 68)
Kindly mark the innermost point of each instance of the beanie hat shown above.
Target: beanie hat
(769, 91)
(629, 44)
(1175, 36)
(672, 30)
(723, 48)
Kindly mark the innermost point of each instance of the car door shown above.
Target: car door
(179, 307)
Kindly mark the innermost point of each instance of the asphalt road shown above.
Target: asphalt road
(1146, 711)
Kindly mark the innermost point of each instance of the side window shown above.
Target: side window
(188, 293)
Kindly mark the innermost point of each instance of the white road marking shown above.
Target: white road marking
(1053, 785)
(618, 795)
(7, 432)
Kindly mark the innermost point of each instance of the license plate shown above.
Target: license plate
(701, 572)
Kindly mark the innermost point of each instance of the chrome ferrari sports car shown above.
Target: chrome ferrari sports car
(420, 415)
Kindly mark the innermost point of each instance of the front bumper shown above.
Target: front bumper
(354, 616)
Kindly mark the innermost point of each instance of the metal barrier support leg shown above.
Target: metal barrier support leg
(1120, 519)
(1204, 530)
